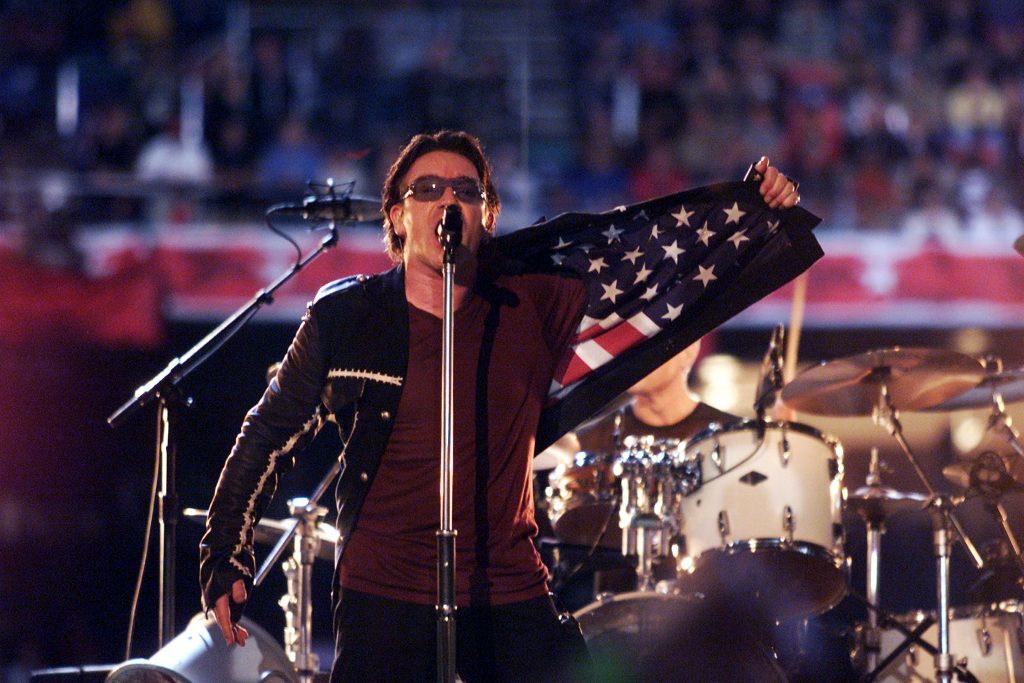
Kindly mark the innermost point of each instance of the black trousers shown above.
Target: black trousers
(380, 639)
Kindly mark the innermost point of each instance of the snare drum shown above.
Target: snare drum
(990, 637)
(767, 518)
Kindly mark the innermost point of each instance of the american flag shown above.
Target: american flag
(659, 275)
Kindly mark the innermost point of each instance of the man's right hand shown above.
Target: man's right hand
(233, 633)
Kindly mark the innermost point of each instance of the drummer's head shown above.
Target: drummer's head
(677, 367)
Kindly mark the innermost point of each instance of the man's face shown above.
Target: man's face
(669, 373)
(416, 219)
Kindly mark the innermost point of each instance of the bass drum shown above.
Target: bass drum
(990, 637)
(766, 521)
(655, 636)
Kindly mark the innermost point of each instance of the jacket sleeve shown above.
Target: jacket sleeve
(284, 421)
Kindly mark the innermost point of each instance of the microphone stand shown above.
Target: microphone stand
(163, 387)
(450, 240)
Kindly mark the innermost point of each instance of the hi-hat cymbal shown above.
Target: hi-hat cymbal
(875, 503)
(1009, 384)
(986, 473)
(268, 531)
(916, 378)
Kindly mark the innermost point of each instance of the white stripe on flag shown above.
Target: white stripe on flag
(611, 321)
(645, 325)
(591, 353)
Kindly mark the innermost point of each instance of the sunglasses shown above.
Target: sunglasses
(431, 188)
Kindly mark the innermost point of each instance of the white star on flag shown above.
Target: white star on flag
(682, 217)
(705, 233)
(673, 251)
(632, 256)
(772, 227)
(557, 259)
(641, 215)
(737, 237)
(642, 274)
(596, 265)
(734, 214)
(650, 293)
(705, 275)
(654, 231)
(673, 312)
(562, 244)
(612, 233)
(610, 291)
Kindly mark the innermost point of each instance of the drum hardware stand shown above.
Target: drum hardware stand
(943, 519)
(164, 388)
(875, 530)
(449, 231)
(297, 603)
(1004, 425)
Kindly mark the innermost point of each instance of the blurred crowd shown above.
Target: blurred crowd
(902, 117)
(892, 114)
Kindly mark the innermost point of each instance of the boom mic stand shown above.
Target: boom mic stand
(163, 387)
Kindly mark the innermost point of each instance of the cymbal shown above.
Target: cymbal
(987, 474)
(1009, 384)
(915, 377)
(268, 531)
(875, 503)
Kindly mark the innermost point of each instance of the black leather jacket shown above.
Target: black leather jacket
(360, 395)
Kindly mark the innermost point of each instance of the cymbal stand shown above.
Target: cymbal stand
(297, 603)
(943, 520)
(875, 526)
(1002, 422)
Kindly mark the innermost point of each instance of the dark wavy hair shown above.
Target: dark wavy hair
(456, 141)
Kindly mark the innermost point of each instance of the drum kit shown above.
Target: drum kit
(753, 510)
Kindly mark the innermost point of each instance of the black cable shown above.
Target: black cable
(145, 555)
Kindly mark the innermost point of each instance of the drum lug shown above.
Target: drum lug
(716, 456)
(723, 526)
(984, 638)
(784, 450)
(787, 523)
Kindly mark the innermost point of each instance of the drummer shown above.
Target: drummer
(661, 404)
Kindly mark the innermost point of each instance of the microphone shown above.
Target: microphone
(449, 230)
(771, 373)
(332, 208)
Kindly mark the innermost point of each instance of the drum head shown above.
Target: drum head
(657, 637)
(785, 581)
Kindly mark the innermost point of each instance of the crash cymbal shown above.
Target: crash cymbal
(268, 531)
(915, 377)
(875, 503)
(1009, 384)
